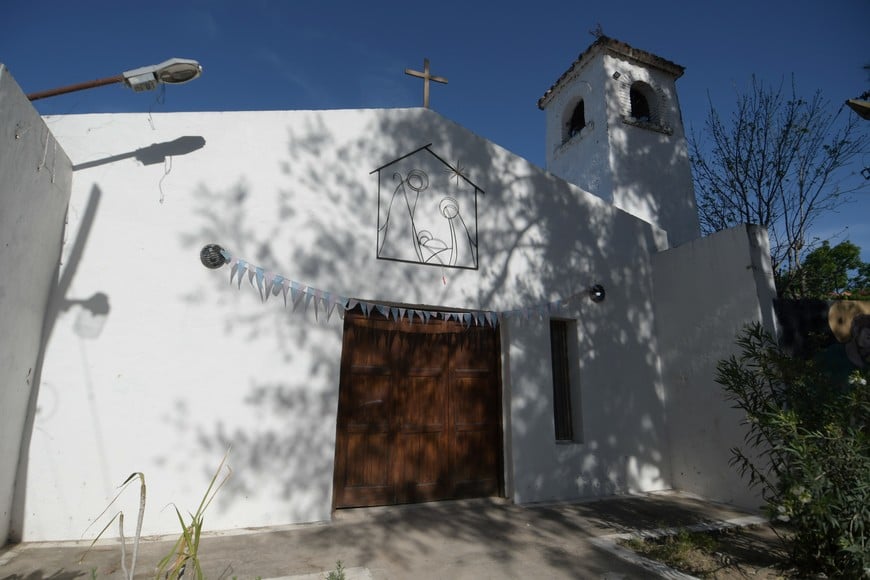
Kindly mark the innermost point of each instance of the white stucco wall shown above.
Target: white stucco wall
(652, 178)
(706, 291)
(620, 438)
(583, 160)
(35, 178)
(158, 364)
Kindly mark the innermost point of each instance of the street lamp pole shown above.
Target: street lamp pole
(174, 71)
(76, 87)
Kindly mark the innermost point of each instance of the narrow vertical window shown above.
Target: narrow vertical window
(561, 380)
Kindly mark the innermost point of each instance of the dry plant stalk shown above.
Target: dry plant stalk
(128, 574)
(186, 549)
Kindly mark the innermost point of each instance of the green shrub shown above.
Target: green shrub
(807, 448)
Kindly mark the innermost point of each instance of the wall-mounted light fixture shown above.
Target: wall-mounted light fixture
(212, 256)
(174, 71)
(597, 293)
(616, 75)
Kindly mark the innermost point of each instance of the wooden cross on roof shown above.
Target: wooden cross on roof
(426, 78)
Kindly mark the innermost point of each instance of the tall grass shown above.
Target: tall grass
(185, 551)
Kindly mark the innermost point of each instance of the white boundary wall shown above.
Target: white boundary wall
(706, 292)
(35, 178)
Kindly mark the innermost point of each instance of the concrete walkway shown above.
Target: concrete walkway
(445, 540)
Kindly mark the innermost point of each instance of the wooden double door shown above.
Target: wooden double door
(419, 412)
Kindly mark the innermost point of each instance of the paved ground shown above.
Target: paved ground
(446, 540)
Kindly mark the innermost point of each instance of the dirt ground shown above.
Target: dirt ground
(749, 552)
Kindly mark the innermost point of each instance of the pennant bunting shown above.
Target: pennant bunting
(269, 283)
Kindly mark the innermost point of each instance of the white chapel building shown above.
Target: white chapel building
(400, 310)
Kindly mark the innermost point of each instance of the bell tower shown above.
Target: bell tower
(614, 128)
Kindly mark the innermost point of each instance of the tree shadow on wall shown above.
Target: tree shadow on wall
(526, 216)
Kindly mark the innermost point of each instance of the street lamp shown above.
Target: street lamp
(861, 105)
(174, 71)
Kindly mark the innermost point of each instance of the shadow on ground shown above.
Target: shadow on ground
(462, 539)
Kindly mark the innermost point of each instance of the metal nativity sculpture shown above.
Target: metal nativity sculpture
(427, 212)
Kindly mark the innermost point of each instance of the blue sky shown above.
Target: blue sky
(269, 54)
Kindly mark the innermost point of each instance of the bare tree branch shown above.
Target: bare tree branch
(780, 161)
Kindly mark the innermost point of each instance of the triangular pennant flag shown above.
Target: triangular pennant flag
(402, 314)
(383, 310)
(227, 256)
(241, 272)
(331, 303)
(318, 300)
(277, 284)
(366, 308)
(300, 294)
(295, 291)
(269, 279)
(260, 275)
(351, 303)
(308, 296)
(466, 318)
(234, 267)
(285, 285)
(394, 314)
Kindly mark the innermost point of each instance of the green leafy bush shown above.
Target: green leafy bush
(807, 448)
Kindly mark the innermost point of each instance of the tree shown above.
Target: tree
(827, 272)
(780, 162)
(807, 448)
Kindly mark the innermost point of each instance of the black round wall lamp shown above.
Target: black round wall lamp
(597, 293)
(212, 256)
